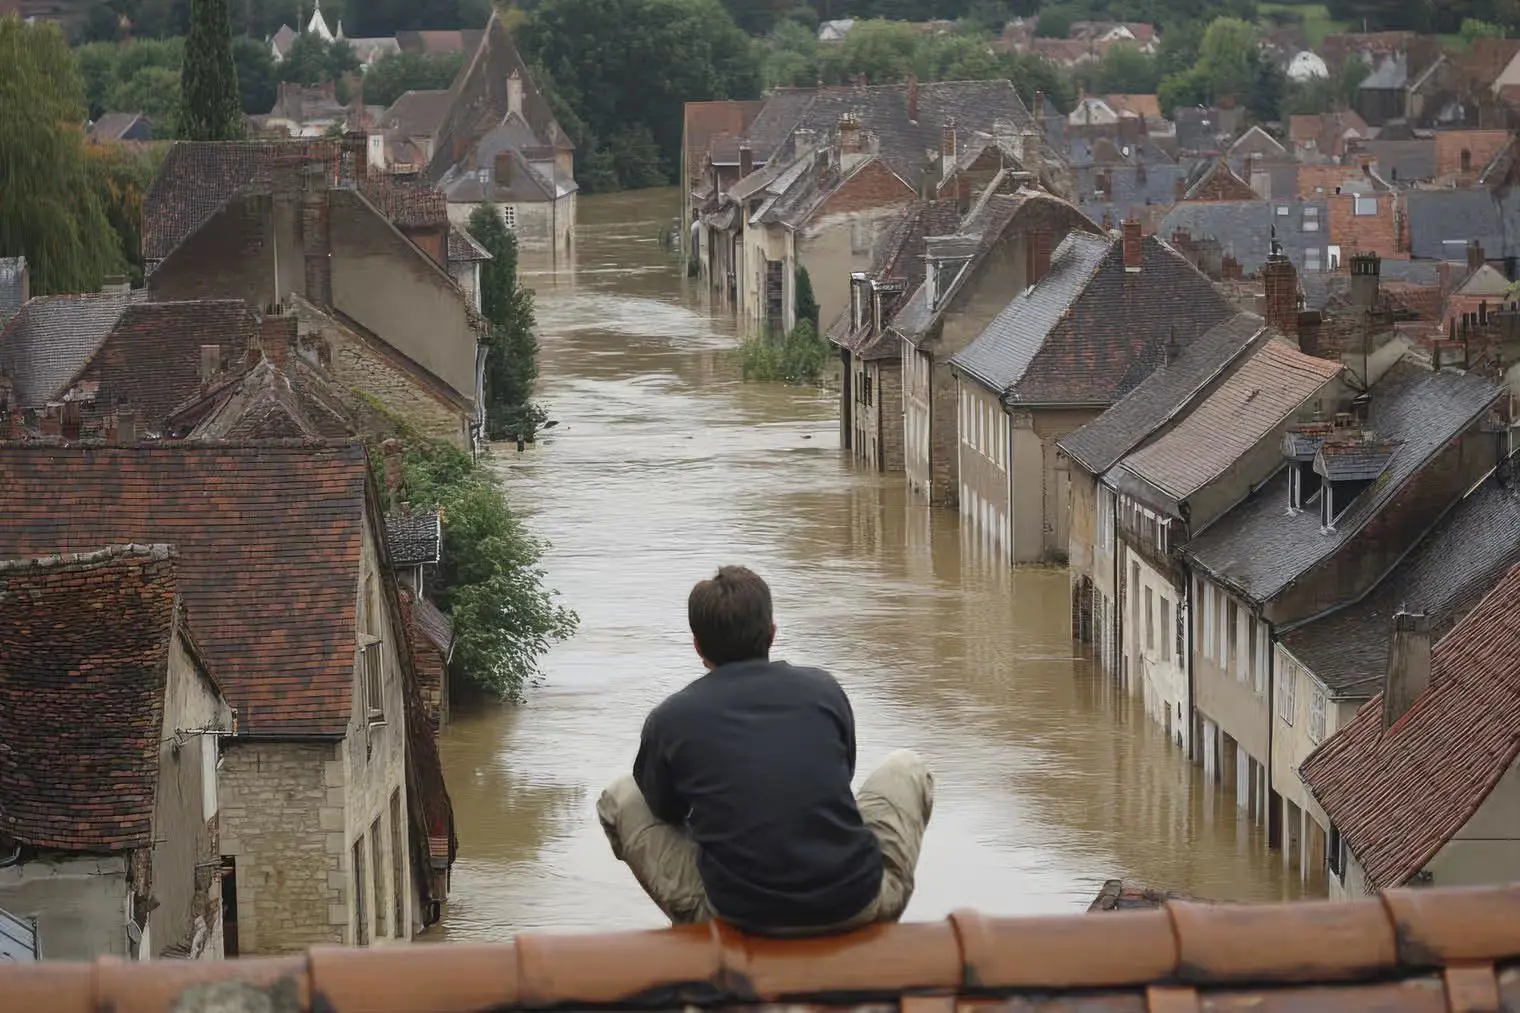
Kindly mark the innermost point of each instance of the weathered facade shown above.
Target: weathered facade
(108, 783)
(325, 786)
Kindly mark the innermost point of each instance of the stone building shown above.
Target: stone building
(1002, 247)
(111, 720)
(1098, 317)
(299, 224)
(333, 814)
(870, 399)
(498, 141)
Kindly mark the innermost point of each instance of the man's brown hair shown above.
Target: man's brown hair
(730, 616)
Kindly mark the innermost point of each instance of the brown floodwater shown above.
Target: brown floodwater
(663, 466)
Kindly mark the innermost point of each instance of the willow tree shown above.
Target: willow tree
(208, 79)
(49, 211)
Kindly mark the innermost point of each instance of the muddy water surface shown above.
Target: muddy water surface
(665, 465)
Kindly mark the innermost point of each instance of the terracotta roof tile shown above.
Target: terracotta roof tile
(1404, 953)
(416, 113)
(1270, 385)
(52, 336)
(264, 403)
(150, 361)
(1399, 795)
(84, 656)
(463, 249)
(269, 537)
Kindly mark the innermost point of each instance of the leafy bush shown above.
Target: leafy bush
(490, 581)
(799, 357)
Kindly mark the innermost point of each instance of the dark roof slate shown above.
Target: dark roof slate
(270, 538)
(84, 659)
(416, 113)
(1443, 222)
(1244, 229)
(414, 537)
(1467, 553)
(1259, 547)
(52, 336)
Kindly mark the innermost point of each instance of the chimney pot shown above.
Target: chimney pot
(1132, 245)
(277, 333)
(1408, 665)
(746, 160)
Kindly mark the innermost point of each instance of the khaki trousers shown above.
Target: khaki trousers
(895, 802)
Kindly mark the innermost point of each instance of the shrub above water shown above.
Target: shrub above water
(799, 357)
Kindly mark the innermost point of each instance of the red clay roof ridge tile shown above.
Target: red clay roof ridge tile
(1229, 956)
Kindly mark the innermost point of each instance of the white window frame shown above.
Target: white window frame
(509, 216)
(1263, 653)
(1317, 706)
(1312, 260)
(1364, 205)
(1287, 692)
(372, 680)
(1166, 629)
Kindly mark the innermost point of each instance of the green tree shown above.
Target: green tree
(806, 304)
(211, 110)
(1474, 28)
(789, 56)
(491, 582)
(257, 83)
(1055, 22)
(598, 55)
(1126, 71)
(879, 50)
(957, 57)
(305, 62)
(49, 210)
(512, 355)
(394, 74)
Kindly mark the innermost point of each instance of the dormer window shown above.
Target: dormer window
(1349, 465)
(1301, 444)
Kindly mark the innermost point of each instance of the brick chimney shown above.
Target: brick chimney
(1309, 322)
(1365, 271)
(1408, 665)
(1179, 190)
(277, 334)
(1475, 256)
(746, 160)
(849, 135)
(913, 98)
(1132, 243)
(1280, 285)
(1039, 254)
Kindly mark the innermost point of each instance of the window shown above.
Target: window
(1150, 622)
(208, 776)
(1466, 159)
(509, 216)
(1231, 651)
(398, 865)
(1317, 715)
(1282, 210)
(361, 916)
(1311, 259)
(377, 862)
(1287, 689)
(1181, 631)
(1166, 628)
(1134, 583)
(1335, 852)
(372, 679)
(1311, 219)
(1366, 204)
(1263, 656)
(1334, 253)
(1206, 603)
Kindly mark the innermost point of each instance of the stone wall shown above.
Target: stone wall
(282, 821)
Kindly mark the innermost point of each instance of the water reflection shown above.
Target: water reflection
(665, 465)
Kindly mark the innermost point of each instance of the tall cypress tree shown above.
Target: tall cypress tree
(211, 110)
(512, 358)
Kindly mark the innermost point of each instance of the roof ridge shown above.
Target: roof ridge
(126, 551)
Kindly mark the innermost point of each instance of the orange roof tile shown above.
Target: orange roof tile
(1399, 795)
(1388, 953)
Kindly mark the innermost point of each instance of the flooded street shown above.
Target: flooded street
(665, 465)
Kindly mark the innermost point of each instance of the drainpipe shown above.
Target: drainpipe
(1192, 715)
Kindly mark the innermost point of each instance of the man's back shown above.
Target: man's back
(756, 757)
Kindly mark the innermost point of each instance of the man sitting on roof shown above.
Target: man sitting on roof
(739, 807)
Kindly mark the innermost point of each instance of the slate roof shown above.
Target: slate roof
(706, 122)
(1442, 222)
(1432, 951)
(1244, 228)
(198, 178)
(413, 538)
(439, 42)
(1089, 332)
(1467, 553)
(416, 113)
(84, 662)
(975, 106)
(12, 293)
(1403, 161)
(1355, 461)
(1400, 281)
(1265, 391)
(150, 362)
(1398, 796)
(269, 535)
(1259, 547)
(113, 126)
(478, 101)
(52, 336)
(899, 258)
(1100, 444)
